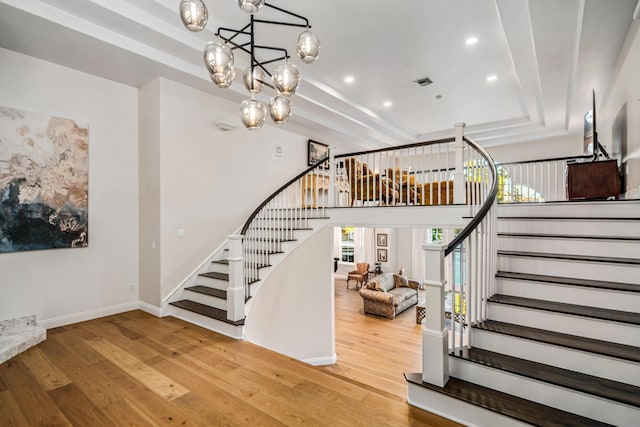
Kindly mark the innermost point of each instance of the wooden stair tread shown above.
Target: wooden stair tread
(220, 261)
(567, 236)
(628, 287)
(269, 239)
(588, 258)
(205, 310)
(216, 275)
(569, 218)
(559, 307)
(281, 228)
(218, 293)
(596, 386)
(606, 348)
(512, 406)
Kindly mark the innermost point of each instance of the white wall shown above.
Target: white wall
(65, 285)
(211, 181)
(149, 197)
(625, 88)
(293, 312)
(548, 148)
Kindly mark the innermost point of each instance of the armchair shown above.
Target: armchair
(367, 185)
(360, 274)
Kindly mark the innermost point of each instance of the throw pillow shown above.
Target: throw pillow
(374, 285)
(400, 281)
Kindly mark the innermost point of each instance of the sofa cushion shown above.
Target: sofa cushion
(386, 282)
(400, 295)
(400, 281)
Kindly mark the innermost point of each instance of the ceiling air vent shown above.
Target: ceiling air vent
(425, 81)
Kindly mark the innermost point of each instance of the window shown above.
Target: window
(347, 244)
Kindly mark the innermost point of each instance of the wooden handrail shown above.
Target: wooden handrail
(486, 206)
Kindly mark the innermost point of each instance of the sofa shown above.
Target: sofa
(388, 295)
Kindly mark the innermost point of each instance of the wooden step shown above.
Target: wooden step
(216, 275)
(589, 384)
(205, 310)
(569, 218)
(627, 287)
(610, 349)
(281, 228)
(269, 239)
(218, 293)
(515, 407)
(576, 310)
(570, 257)
(220, 261)
(567, 236)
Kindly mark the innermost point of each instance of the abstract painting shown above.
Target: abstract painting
(44, 182)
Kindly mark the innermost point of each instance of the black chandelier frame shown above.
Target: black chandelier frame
(250, 47)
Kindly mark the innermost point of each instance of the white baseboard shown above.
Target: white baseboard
(151, 309)
(68, 319)
(322, 361)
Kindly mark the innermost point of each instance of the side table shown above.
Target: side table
(421, 312)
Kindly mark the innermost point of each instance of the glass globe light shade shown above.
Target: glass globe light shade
(258, 78)
(308, 47)
(252, 114)
(286, 78)
(194, 14)
(250, 6)
(223, 81)
(218, 58)
(280, 109)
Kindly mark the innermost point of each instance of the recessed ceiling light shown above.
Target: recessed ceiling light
(471, 40)
(492, 78)
(387, 103)
(349, 79)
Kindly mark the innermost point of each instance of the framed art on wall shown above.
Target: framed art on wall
(317, 151)
(44, 182)
(381, 239)
(382, 255)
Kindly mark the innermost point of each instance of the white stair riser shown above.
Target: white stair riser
(570, 294)
(205, 299)
(562, 357)
(568, 324)
(613, 272)
(591, 247)
(571, 227)
(206, 322)
(627, 209)
(457, 410)
(212, 283)
(219, 268)
(547, 394)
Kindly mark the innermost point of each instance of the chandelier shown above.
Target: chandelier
(219, 59)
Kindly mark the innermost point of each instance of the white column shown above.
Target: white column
(435, 337)
(458, 180)
(235, 291)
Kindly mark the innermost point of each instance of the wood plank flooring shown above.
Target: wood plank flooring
(134, 369)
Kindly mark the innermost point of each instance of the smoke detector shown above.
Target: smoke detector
(424, 81)
(224, 126)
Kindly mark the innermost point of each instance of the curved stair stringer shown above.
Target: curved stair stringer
(302, 236)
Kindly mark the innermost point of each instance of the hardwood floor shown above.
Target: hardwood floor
(134, 369)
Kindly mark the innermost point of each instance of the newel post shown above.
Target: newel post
(459, 193)
(435, 337)
(235, 291)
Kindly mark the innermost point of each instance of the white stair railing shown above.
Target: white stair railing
(528, 181)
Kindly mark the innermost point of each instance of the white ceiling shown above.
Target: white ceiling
(547, 56)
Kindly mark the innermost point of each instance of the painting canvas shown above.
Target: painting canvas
(317, 152)
(44, 182)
